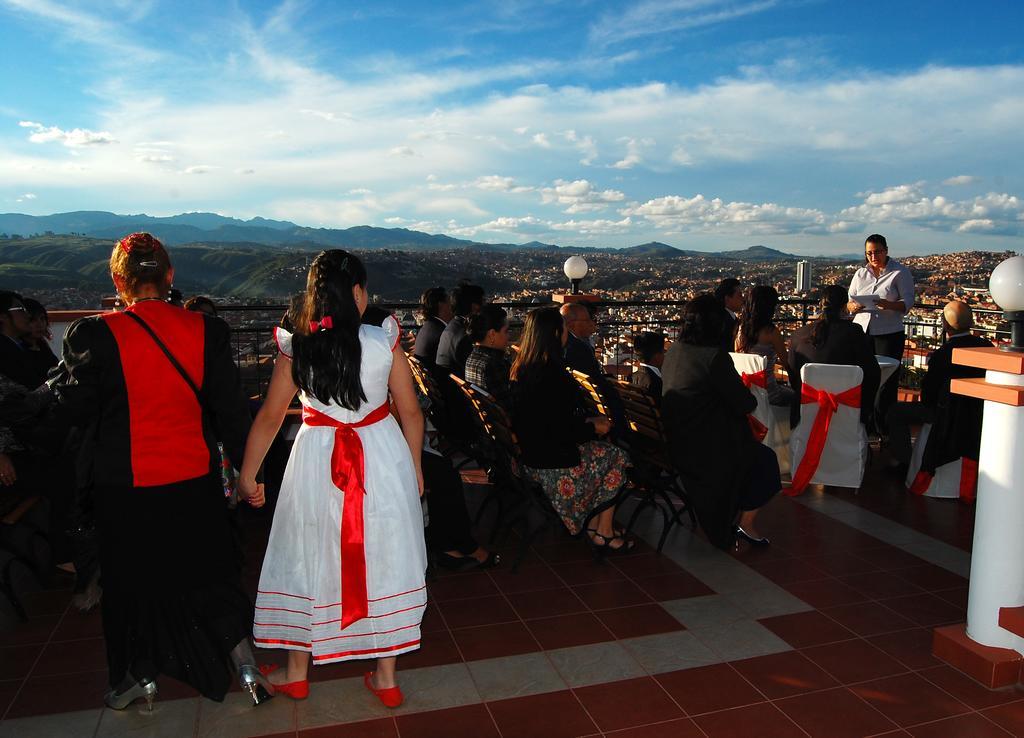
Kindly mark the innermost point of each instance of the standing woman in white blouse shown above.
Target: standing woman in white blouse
(892, 285)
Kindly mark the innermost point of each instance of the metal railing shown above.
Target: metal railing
(254, 346)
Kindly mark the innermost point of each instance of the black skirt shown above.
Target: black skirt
(765, 480)
(173, 601)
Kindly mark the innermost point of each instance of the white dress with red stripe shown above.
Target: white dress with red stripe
(299, 603)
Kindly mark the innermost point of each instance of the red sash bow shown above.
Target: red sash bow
(828, 403)
(758, 378)
(347, 473)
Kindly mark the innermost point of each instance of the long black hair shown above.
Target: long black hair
(703, 321)
(758, 312)
(540, 345)
(833, 303)
(326, 360)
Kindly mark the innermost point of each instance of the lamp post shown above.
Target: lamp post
(575, 269)
(1007, 287)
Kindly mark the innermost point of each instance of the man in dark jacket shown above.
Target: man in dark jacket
(437, 312)
(454, 346)
(579, 355)
(729, 294)
(650, 350)
(15, 362)
(957, 321)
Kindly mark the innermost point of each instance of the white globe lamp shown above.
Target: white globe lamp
(1007, 288)
(575, 269)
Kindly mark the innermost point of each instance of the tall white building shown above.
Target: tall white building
(803, 276)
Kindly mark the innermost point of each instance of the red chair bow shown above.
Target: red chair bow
(828, 403)
(347, 473)
(324, 324)
(758, 378)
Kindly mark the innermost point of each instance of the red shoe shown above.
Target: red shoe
(390, 697)
(295, 690)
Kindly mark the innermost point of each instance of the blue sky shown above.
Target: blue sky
(708, 124)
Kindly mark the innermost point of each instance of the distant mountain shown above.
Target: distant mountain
(654, 249)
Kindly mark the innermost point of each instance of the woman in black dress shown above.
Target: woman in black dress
(160, 387)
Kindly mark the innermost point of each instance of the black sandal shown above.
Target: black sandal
(605, 546)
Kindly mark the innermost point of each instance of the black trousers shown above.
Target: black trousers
(889, 344)
(450, 528)
(901, 416)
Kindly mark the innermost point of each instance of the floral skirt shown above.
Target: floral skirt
(576, 491)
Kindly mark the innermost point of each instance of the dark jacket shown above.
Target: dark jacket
(579, 355)
(647, 380)
(729, 332)
(19, 364)
(454, 346)
(150, 429)
(548, 421)
(845, 344)
(427, 338)
(941, 369)
(705, 408)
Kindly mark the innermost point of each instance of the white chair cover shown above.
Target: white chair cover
(846, 447)
(775, 419)
(946, 482)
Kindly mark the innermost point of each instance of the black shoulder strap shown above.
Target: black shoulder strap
(170, 358)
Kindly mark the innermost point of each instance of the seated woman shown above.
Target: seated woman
(832, 339)
(727, 473)
(757, 334)
(581, 476)
(488, 366)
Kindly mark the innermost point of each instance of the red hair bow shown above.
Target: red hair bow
(136, 240)
(325, 324)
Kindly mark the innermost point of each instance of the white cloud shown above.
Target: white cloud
(360, 191)
(994, 213)
(579, 196)
(199, 169)
(401, 151)
(28, 196)
(654, 17)
(632, 157)
(673, 212)
(541, 139)
(495, 183)
(961, 179)
(73, 138)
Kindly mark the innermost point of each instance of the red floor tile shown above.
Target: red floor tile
(804, 629)
(492, 641)
(628, 703)
(7, 692)
(645, 565)
(854, 661)
(478, 611)
(1010, 717)
(462, 586)
(684, 728)
(911, 647)
(564, 551)
(868, 618)
(909, 699)
(763, 720)
(435, 649)
(841, 564)
(969, 691)
(525, 580)
(471, 721)
(956, 596)
(880, 585)
(823, 593)
(926, 609)
(76, 624)
(382, 728)
(971, 725)
(709, 688)
(784, 674)
(546, 603)
(834, 713)
(631, 622)
(432, 619)
(552, 715)
(587, 572)
(931, 577)
(16, 661)
(606, 595)
(36, 630)
(787, 571)
(66, 693)
(71, 657)
(358, 667)
(46, 602)
(563, 631)
(890, 557)
(663, 587)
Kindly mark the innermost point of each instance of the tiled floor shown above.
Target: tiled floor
(827, 632)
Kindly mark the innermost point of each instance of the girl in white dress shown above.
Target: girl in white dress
(343, 576)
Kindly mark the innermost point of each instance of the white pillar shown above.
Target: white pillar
(997, 559)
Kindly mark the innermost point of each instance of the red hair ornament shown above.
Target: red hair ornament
(324, 324)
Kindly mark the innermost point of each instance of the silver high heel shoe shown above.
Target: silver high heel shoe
(123, 695)
(250, 678)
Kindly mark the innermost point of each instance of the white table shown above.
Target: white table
(888, 366)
